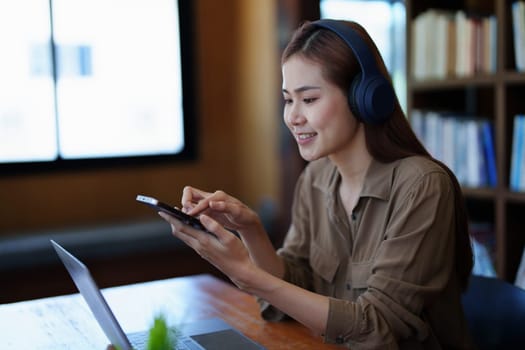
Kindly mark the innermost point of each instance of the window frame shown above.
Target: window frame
(189, 152)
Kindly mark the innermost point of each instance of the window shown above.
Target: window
(94, 80)
(385, 22)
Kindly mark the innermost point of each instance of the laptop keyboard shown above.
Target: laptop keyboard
(226, 339)
(139, 341)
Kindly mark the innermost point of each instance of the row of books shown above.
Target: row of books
(518, 25)
(464, 143)
(517, 160)
(453, 43)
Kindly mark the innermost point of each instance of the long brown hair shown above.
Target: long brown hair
(388, 141)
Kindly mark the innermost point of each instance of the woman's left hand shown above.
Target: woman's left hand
(225, 251)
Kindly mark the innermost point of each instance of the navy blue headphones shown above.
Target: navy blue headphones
(370, 96)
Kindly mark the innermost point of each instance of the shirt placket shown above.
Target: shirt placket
(344, 231)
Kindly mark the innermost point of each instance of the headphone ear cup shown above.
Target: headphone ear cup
(371, 101)
(376, 100)
(352, 97)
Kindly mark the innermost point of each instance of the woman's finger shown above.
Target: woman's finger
(204, 203)
(215, 227)
(182, 231)
(191, 197)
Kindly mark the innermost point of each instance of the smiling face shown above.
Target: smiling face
(316, 111)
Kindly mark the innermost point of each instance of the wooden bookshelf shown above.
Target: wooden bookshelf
(499, 96)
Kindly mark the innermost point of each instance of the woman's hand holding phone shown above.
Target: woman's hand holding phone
(224, 250)
(220, 215)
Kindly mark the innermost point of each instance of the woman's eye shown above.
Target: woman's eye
(309, 100)
(287, 101)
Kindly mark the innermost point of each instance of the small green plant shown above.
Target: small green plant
(161, 337)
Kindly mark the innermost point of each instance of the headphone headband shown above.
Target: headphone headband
(354, 41)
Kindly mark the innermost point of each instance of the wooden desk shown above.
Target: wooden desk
(65, 322)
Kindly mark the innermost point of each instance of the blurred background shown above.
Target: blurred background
(104, 100)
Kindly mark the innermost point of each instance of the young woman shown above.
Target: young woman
(378, 252)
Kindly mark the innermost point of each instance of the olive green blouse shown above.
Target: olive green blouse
(389, 267)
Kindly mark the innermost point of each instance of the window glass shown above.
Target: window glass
(118, 83)
(27, 112)
(93, 79)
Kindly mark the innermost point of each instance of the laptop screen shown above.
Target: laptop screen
(93, 297)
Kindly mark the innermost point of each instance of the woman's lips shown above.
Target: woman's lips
(306, 137)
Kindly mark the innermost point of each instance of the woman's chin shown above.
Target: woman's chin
(307, 156)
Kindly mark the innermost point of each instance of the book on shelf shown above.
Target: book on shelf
(490, 152)
(451, 48)
(433, 32)
(452, 43)
(517, 158)
(518, 30)
(464, 143)
(464, 44)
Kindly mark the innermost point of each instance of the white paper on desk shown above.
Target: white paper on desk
(69, 315)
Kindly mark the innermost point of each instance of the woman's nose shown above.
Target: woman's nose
(294, 116)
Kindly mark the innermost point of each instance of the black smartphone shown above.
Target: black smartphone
(176, 213)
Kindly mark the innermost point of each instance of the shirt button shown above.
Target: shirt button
(339, 340)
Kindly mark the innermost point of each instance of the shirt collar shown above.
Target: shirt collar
(378, 180)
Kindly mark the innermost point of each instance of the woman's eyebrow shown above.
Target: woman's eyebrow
(304, 88)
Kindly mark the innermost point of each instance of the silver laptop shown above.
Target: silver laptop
(208, 334)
